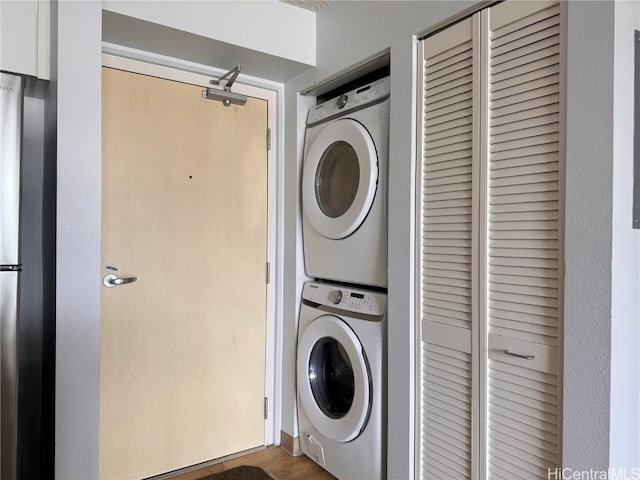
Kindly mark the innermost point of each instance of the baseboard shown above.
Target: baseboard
(290, 445)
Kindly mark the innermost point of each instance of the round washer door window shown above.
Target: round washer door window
(340, 178)
(333, 379)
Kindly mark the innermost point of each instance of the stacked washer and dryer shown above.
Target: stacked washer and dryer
(341, 355)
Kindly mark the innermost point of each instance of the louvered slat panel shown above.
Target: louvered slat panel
(461, 78)
(442, 116)
(446, 251)
(447, 172)
(524, 318)
(536, 436)
(540, 32)
(523, 248)
(528, 22)
(451, 150)
(449, 72)
(526, 281)
(521, 109)
(526, 115)
(524, 401)
(440, 84)
(511, 329)
(523, 167)
(542, 73)
(446, 419)
(525, 174)
(523, 70)
(530, 53)
(530, 121)
(454, 97)
(508, 139)
(447, 133)
(442, 166)
(447, 125)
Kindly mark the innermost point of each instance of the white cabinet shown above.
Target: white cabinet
(25, 37)
(491, 244)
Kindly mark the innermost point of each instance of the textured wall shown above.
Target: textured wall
(343, 39)
(587, 328)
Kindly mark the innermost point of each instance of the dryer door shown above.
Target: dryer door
(334, 383)
(340, 178)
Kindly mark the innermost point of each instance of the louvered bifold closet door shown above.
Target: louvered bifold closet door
(524, 243)
(448, 168)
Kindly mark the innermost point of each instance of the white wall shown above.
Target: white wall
(78, 239)
(267, 26)
(296, 108)
(625, 287)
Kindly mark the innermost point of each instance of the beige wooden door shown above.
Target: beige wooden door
(185, 210)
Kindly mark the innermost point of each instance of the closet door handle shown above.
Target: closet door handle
(520, 355)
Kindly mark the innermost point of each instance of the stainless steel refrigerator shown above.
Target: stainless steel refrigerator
(11, 106)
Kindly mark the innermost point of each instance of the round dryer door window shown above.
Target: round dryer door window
(333, 379)
(340, 178)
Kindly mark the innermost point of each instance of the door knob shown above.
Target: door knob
(111, 280)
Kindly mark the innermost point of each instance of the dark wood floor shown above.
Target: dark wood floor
(273, 460)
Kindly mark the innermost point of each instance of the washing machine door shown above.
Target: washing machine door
(340, 178)
(334, 383)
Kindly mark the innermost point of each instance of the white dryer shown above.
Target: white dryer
(344, 187)
(341, 380)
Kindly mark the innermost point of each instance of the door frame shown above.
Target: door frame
(145, 63)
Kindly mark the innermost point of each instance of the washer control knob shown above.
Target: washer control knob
(335, 296)
(342, 101)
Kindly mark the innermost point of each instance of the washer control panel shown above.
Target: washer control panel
(346, 298)
(357, 98)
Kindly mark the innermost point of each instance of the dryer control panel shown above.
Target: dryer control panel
(346, 298)
(358, 98)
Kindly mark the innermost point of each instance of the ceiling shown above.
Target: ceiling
(313, 5)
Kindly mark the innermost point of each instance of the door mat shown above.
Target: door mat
(240, 473)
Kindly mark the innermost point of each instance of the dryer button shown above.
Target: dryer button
(342, 101)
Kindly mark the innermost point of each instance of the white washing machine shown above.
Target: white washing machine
(344, 187)
(341, 380)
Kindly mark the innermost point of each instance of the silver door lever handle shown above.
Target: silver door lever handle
(112, 280)
(520, 355)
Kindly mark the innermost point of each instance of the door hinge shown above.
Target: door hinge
(268, 139)
(268, 272)
(266, 408)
